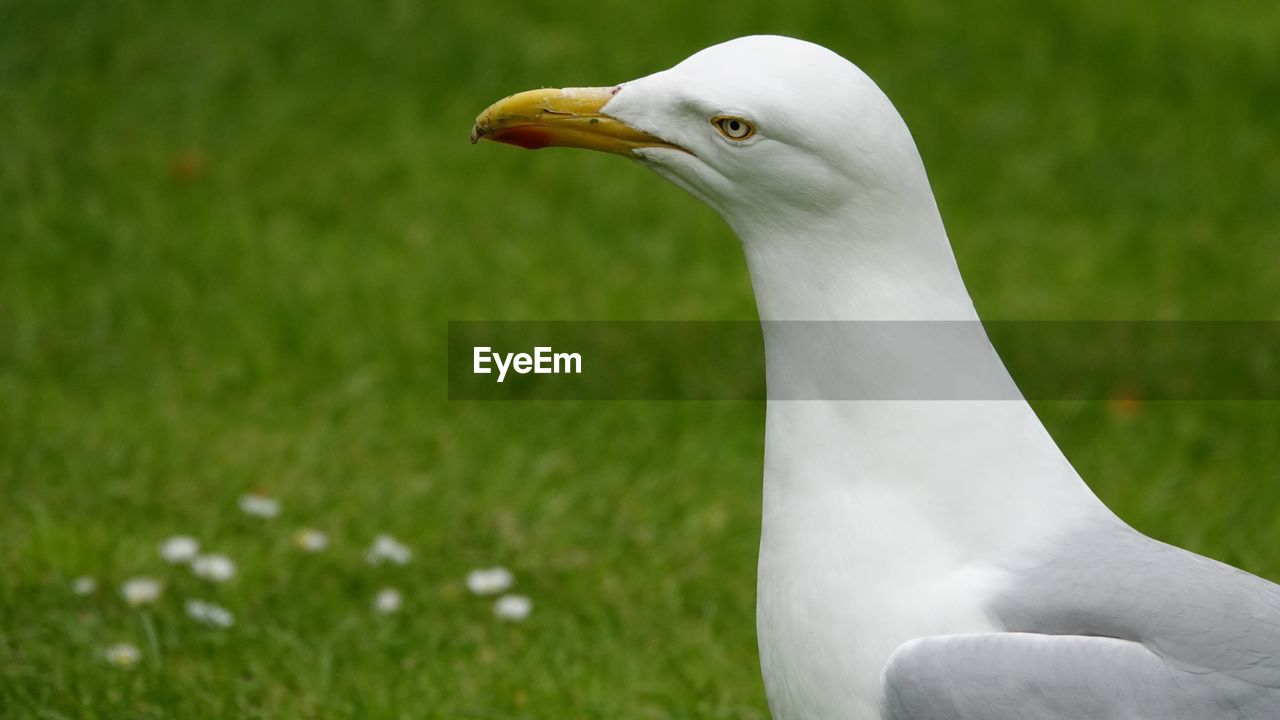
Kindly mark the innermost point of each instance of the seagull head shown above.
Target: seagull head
(765, 129)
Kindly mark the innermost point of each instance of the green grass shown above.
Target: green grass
(231, 235)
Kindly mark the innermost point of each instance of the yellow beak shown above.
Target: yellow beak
(568, 117)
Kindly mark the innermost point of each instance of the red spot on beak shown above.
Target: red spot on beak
(525, 136)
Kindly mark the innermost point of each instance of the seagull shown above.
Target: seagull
(921, 557)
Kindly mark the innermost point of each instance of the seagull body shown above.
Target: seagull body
(920, 558)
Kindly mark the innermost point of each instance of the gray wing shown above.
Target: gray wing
(1026, 676)
(1198, 615)
(1111, 624)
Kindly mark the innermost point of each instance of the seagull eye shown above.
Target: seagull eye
(734, 128)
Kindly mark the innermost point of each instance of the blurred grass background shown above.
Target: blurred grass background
(231, 235)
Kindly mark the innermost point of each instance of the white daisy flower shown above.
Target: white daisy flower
(179, 549)
(122, 655)
(210, 614)
(215, 568)
(259, 505)
(513, 607)
(387, 549)
(310, 540)
(141, 590)
(490, 581)
(84, 585)
(387, 601)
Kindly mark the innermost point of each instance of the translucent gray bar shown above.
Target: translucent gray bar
(1046, 360)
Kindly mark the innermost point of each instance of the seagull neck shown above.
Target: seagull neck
(872, 259)
(868, 304)
(882, 381)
